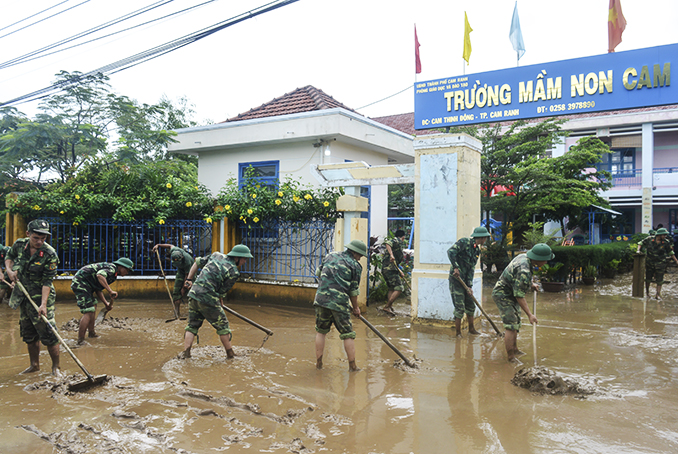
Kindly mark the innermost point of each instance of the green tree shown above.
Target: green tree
(400, 199)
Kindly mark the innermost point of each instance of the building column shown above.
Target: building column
(447, 208)
(647, 176)
(353, 227)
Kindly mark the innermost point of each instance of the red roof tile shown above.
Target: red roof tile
(305, 99)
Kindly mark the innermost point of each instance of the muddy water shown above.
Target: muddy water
(272, 399)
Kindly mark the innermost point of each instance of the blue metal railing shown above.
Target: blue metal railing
(286, 251)
(665, 170)
(105, 240)
(627, 178)
(405, 224)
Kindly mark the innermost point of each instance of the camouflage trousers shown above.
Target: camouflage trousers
(325, 318)
(654, 272)
(84, 296)
(214, 314)
(180, 277)
(462, 301)
(31, 326)
(393, 280)
(509, 309)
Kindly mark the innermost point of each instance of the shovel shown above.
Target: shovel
(535, 354)
(246, 319)
(75, 386)
(480, 307)
(408, 362)
(102, 315)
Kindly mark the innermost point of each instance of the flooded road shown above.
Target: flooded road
(272, 399)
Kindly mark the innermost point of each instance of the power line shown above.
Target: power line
(46, 18)
(149, 54)
(381, 100)
(25, 58)
(99, 27)
(32, 15)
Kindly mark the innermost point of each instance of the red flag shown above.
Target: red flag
(616, 24)
(418, 66)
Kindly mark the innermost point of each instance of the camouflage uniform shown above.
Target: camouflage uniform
(514, 282)
(463, 255)
(217, 277)
(34, 272)
(390, 269)
(656, 259)
(339, 276)
(85, 283)
(182, 261)
(3, 253)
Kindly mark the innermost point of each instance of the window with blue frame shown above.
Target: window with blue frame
(619, 162)
(264, 172)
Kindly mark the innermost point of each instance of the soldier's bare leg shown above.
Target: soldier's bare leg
(349, 349)
(86, 323)
(511, 344)
(471, 325)
(188, 340)
(658, 291)
(319, 343)
(224, 338)
(54, 354)
(457, 323)
(34, 357)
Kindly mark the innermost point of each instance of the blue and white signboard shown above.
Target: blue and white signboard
(619, 80)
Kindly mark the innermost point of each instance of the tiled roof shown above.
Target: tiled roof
(305, 99)
(404, 122)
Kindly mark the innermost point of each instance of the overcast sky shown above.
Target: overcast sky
(358, 51)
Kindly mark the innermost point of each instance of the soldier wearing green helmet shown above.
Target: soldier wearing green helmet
(393, 275)
(93, 279)
(657, 250)
(510, 290)
(336, 298)
(33, 262)
(463, 256)
(206, 295)
(182, 261)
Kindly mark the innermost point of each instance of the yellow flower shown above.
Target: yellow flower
(254, 196)
(296, 198)
(308, 197)
(326, 204)
(76, 223)
(208, 220)
(189, 204)
(255, 219)
(280, 194)
(196, 187)
(161, 222)
(219, 208)
(36, 207)
(169, 186)
(77, 197)
(61, 212)
(277, 201)
(227, 207)
(250, 211)
(257, 186)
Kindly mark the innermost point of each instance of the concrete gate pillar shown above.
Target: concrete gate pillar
(447, 208)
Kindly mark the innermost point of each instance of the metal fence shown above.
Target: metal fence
(286, 251)
(105, 240)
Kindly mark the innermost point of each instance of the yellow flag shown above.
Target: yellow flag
(467, 45)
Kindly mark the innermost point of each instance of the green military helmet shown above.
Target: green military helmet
(240, 250)
(661, 231)
(125, 263)
(176, 256)
(651, 232)
(357, 246)
(480, 232)
(541, 253)
(39, 226)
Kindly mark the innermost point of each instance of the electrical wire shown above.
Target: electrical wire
(149, 54)
(32, 15)
(46, 18)
(26, 59)
(381, 100)
(99, 27)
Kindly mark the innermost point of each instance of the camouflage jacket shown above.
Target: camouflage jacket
(34, 271)
(464, 255)
(657, 253)
(397, 250)
(87, 275)
(515, 281)
(184, 265)
(339, 276)
(214, 281)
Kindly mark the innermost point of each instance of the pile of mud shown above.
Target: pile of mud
(60, 385)
(542, 380)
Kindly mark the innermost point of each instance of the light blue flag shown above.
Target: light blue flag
(516, 35)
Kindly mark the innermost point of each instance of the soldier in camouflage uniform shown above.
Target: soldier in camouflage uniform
(658, 249)
(183, 261)
(510, 290)
(463, 256)
(336, 298)
(3, 287)
(33, 262)
(94, 278)
(217, 277)
(393, 275)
